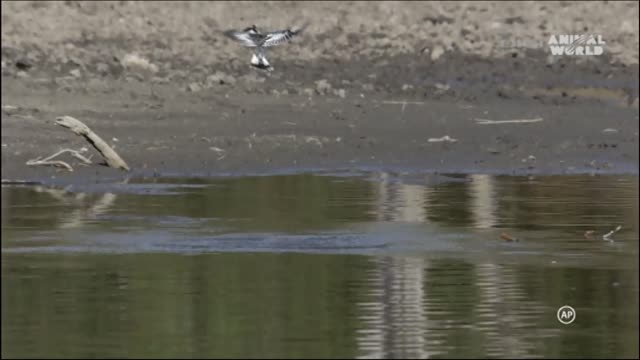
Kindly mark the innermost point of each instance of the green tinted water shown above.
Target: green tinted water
(321, 266)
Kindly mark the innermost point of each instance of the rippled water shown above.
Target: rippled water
(376, 265)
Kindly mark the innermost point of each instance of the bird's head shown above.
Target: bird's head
(251, 29)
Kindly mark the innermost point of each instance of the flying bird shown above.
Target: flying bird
(252, 37)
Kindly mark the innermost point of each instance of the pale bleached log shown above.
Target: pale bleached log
(111, 157)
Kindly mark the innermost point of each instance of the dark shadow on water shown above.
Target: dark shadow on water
(288, 213)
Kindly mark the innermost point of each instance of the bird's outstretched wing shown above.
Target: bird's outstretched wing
(280, 37)
(243, 38)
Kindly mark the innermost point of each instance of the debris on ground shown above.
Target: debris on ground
(514, 121)
(79, 128)
(445, 138)
(59, 163)
(608, 236)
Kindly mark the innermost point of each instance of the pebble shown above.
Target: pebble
(194, 87)
(323, 86)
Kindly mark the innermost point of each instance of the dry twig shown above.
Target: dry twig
(59, 163)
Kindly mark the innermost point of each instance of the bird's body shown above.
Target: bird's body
(251, 37)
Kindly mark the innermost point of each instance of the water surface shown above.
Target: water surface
(379, 265)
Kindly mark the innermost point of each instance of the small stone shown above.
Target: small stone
(442, 87)
(136, 62)
(341, 93)
(194, 87)
(406, 87)
(436, 53)
(308, 91)
(323, 86)
(75, 73)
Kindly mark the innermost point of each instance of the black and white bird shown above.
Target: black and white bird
(252, 37)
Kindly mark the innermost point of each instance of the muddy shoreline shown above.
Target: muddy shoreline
(176, 99)
(210, 134)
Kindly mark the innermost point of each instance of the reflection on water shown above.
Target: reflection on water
(321, 266)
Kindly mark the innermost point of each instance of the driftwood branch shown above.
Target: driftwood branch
(85, 160)
(111, 157)
(76, 154)
(56, 163)
(59, 163)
